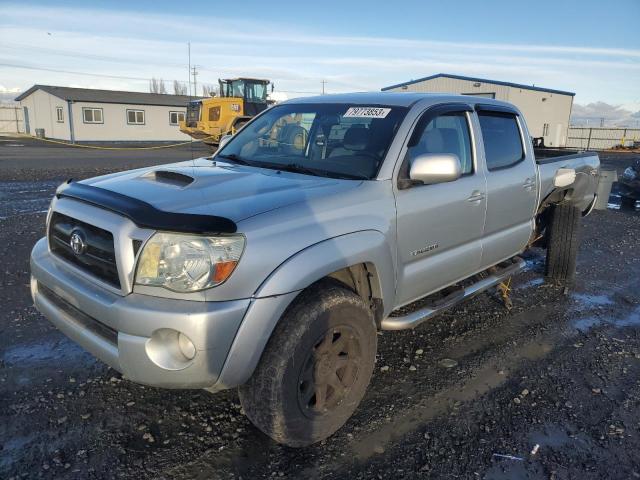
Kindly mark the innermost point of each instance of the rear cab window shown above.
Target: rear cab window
(502, 139)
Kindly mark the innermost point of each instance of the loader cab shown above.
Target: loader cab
(253, 91)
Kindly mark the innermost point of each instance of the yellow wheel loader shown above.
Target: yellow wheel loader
(240, 100)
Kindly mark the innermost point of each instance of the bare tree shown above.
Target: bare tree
(153, 85)
(157, 86)
(179, 88)
(208, 90)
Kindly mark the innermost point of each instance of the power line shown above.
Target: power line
(101, 75)
(119, 77)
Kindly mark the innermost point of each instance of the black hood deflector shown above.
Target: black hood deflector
(144, 214)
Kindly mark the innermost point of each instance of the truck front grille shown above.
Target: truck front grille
(96, 254)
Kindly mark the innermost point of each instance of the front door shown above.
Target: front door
(439, 226)
(27, 128)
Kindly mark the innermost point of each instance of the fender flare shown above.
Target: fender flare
(319, 260)
(292, 276)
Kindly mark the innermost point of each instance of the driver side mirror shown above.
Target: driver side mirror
(224, 140)
(430, 168)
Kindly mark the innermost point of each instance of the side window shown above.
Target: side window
(447, 133)
(502, 141)
(92, 115)
(135, 117)
(176, 117)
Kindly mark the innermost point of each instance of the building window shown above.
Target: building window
(92, 115)
(545, 130)
(485, 94)
(135, 117)
(59, 114)
(176, 117)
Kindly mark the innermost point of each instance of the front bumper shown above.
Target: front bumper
(128, 332)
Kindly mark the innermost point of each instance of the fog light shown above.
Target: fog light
(170, 349)
(187, 347)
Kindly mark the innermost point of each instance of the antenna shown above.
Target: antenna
(189, 71)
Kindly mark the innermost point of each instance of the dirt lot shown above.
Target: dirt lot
(467, 395)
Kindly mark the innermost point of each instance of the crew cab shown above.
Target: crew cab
(271, 265)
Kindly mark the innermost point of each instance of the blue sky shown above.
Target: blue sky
(587, 47)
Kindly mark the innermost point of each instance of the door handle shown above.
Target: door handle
(529, 184)
(476, 197)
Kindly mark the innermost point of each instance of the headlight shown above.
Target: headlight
(188, 263)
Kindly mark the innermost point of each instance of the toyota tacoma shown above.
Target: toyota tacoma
(271, 265)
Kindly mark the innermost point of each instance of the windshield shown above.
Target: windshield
(255, 92)
(336, 140)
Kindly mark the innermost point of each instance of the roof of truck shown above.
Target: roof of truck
(392, 99)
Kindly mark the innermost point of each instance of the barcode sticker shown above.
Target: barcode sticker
(367, 112)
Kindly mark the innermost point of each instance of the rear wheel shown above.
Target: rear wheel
(315, 368)
(562, 243)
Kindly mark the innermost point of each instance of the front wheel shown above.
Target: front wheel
(315, 368)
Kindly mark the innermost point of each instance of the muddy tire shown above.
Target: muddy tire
(315, 368)
(563, 239)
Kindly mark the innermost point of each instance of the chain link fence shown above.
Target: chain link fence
(11, 119)
(602, 138)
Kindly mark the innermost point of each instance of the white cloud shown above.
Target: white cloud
(139, 46)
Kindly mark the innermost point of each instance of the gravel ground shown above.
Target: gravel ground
(468, 395)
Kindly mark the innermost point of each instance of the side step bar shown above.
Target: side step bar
(413, 319)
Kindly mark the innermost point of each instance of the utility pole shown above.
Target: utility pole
(194, 72)
(324, 82)
(601, 122)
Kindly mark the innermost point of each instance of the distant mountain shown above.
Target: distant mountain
(602, 113)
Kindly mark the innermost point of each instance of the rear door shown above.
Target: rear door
(439, 226)
(511, 184)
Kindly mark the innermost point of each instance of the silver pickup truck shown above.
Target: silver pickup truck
(271, 265)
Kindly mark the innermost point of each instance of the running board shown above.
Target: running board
(413, 319)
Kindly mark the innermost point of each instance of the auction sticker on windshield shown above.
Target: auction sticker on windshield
(367, 112)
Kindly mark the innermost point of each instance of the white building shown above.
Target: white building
(546, 111)
(88, 115)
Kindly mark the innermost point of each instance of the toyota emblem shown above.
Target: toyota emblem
(77, 242)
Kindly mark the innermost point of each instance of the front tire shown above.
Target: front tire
(563, 239)
(315, 368)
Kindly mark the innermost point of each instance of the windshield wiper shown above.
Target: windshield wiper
(297, 168)
(234, 158)
(319, 172)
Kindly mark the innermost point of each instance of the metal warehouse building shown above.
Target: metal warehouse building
(88, 115)
(546, 111)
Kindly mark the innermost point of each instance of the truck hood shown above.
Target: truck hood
(223, 189)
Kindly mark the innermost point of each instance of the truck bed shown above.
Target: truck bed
(585, 164)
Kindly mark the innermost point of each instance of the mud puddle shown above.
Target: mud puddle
(60, 352)
(628, 320)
